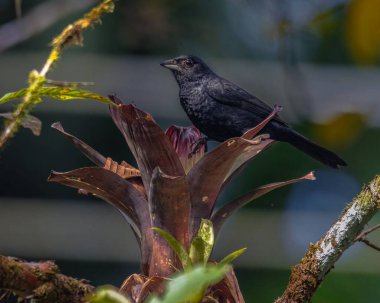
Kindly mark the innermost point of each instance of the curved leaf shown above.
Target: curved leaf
(219, 217)
(29, 121)
(228, 289)
(13, 95)
(87, 150)
(131, 286)
(147, 142)
(249, 134)
(138, 287)
(178, 248)
(189, 287)
(152, 285)
(68, 93)
(203, 243)
(98, 158)
(113, 189)
(187, 144)
(232, 256)
(59, 93)
(208, 175)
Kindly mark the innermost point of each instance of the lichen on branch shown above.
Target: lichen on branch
(307, 275)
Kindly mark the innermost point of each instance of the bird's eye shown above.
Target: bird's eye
(188, 63)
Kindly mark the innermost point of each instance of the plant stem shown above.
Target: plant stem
(70, 35)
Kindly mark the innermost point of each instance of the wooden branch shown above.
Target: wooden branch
(307, 275)
(41, 281)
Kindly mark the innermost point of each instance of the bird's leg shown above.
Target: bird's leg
(198, 144)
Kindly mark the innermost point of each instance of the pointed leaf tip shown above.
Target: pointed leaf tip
(143, 136)
(51, 176)
(249, 134)
(232, 256)
(219, 217)
(111, 188)
(115, 99)
(310, 176)
(87, 150)
(58, 126)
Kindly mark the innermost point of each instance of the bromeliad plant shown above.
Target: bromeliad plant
(169, 200)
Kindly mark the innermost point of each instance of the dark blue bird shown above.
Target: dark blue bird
(221, 110)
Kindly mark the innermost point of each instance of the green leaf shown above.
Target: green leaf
(202, 243)
(177, 247)
(232, 256)
(189, 287)
(59, 93)
(108, 295)
(66, 93)
(13, 95)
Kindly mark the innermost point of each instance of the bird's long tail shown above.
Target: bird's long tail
(314, 150)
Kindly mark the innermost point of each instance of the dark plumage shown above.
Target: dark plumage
(221, 109)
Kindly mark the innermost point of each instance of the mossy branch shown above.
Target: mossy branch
(41, 281)
(307, 275)
(71, 35)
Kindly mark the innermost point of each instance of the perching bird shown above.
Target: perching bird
(221, 110)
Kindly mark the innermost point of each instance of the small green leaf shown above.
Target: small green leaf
(177, 247)
(202, 243)
(189, 287)
(67, 93)
(59, 93)
(107, 295)
(232, 256)
(13, 95)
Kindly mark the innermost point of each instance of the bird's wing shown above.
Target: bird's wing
(226, 92)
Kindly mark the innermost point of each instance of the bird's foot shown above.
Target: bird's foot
(198, 144)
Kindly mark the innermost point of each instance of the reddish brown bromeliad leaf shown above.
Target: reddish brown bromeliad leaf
(187, 142)
(147, 142)
(172, 189)
(208, 176)
(111, 188)
(138, 287)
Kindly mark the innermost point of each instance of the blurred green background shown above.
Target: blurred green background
(319, 59)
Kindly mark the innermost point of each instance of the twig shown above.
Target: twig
(307, 275)
(367, 231)
(72, 34)
(369, 243)
(41, 281)
(362, 237)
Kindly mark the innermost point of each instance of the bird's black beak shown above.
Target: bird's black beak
(170, 64)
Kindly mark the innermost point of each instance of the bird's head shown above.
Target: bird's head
(187, 67)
